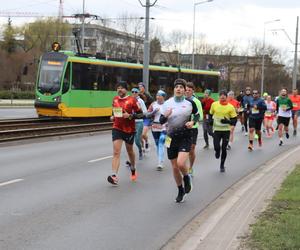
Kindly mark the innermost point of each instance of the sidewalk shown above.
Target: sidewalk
(226, 221)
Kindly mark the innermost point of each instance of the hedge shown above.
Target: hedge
(5, 94)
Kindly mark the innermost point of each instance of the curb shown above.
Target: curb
(223, 223)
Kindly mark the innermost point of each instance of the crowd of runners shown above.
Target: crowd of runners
(174, 124)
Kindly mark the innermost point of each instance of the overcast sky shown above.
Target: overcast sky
(220, 20)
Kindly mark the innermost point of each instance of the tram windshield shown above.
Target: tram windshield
(50, 77)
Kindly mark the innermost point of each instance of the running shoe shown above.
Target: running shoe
(159, 167)
(147, 147)
(180, 196)
(113, 179)
(188, 186)
(243, 128)
(256, 136)
(128, 164)
(228, 147)
(280, 143)
(264, 130)
(246, 133)
(250, 147)
(222, 169)
(206, 146)
(133, 175)
(259, 142)
(287, 135)
(295, 133)
(191, 172)
(141, 155)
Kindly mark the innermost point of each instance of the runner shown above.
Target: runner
(177, 112)
(206, 102)
(235, 103)
(269, 115)
(295, 98)
(239, 98)
(147, 122)
(247, 98)
(158, 130)
(284, 107)
(125, 110)
(189, 93)
(139, 124)
(224, 116)
(256, 108)
(265, 96)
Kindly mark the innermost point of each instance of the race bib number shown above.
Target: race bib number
(156, 126)
(240, 109)
(168, 141)
(268, 114)
(254, 111)
(295, 105)
(283, 107)
(207, 116)
(218, 123)
(117, 112)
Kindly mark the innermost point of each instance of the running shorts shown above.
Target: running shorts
(120, 135)
(179, 144)
(147, 122)
(194, 132)
(255, 123)
(283, 120)
(295, 112)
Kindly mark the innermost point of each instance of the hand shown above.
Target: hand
(112, 118)
(255, 106)
(190, 124)
(225, 121)
(126, 115)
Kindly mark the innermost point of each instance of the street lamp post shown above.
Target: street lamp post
(194, 20)
(263, 56)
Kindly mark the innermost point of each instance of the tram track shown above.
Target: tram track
(17, 130)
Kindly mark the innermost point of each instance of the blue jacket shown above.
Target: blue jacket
(261, 108)
(246, 101)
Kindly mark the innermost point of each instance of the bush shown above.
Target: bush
(5, 94)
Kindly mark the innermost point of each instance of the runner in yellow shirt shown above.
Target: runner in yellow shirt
(224, 116)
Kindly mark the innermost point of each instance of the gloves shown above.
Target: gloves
(225, 121)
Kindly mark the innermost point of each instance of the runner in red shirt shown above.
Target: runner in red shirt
(206, 102)
(236, 104)
(295, 98)
(125, 109)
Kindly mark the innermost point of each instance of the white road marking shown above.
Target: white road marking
(10, 182)
(100, 159)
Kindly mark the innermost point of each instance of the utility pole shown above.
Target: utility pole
(295, 71)
(82, 26)
(61, 10)
(146, 57)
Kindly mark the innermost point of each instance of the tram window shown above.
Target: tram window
(84, 76)
(106, 79)
(66, 81)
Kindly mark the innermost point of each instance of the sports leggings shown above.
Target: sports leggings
(159, 138)
(139, 125)
(224, 136)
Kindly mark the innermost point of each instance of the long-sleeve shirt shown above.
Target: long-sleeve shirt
(257, 108)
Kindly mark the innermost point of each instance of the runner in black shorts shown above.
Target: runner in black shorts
(125, 110)
(189, 93)
(256, 109)
(178, 111)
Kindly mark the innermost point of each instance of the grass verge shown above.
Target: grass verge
(279, 226)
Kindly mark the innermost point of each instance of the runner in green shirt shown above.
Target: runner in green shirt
(189, 93)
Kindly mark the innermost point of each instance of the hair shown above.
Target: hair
(223, 92)
(190, 85)
(230, 92)
(180, 81)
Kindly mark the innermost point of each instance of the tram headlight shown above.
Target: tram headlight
(57, 99)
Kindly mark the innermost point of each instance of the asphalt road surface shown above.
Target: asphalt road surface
(54, 194)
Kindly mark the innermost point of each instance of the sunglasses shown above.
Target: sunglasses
(248, 89)
(135, 92)
(255, 93)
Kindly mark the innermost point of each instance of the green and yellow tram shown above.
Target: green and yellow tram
(73, 86)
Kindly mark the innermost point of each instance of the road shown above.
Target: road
(13, 113)
(54, 194)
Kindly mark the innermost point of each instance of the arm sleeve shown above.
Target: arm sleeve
(200, 110)
(137, 111)
(195, 111)
(277, 105)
